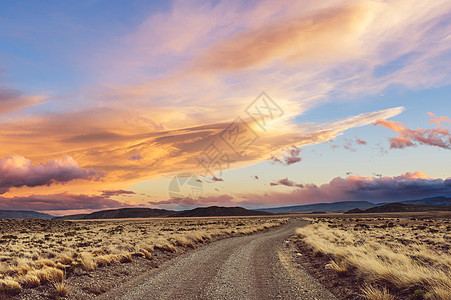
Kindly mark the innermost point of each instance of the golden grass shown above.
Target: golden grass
(373, 293)
(341, 268)
(9, 285)
(87, 261)
(34, 252)
(29, 280)
(386, 251)
(62, 288)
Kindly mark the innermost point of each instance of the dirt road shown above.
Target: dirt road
(248, 267)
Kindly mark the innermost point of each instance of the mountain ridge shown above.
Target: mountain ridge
(210, 211)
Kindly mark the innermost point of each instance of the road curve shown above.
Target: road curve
(246, 267)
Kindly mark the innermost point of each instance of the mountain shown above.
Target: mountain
(23, 214)
(335, 206)
(212, 211)
(401, 207)
(436, 201)
(216, 211)
(121, 213)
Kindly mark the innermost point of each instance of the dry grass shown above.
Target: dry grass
(9, 285)
(62, 289)
(400, 253)
(35, 252)
(373, 293)
(341, 268)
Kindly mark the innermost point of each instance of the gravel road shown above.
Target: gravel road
(247, 267)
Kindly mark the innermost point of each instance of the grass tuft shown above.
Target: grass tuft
(371, 292)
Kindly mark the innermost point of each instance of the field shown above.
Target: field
(36, 253)
(384, 258)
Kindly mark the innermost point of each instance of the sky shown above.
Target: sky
(178, 104)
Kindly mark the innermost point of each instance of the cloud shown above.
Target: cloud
(288, 39)
(406, 186)
(59, 202)
(360, 142)
(287, 182)
(438, 137)
(111, 193)
(349, 144)
(17, 171)
(152, 106)
(438, 120)
(291, 156)
(11, 100)
(217, 179)
(163, 153)
(136, 157)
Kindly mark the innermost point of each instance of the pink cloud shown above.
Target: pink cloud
(439, 137)
(360, 142)
(354, 187)
(17, 171)
(11, 100)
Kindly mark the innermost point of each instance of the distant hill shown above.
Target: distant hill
(401, 207)
(216, 211)
(212, 211)
(23, 214)
(335, 206)
(121, 213)
(436, 201)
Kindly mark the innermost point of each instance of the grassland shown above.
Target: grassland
(391, 258)
(45, 252)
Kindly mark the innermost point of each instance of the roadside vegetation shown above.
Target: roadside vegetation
(38, 252)
(394, 257)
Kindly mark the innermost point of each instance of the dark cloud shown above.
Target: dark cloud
(286, 182)
(111, 193)
(62, 201)
(17, 171)
(289, 156)
(136, 157)
(217, 179)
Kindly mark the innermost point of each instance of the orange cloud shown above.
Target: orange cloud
(319, 35)
(100, 142)
(438, 137)
(438, 120)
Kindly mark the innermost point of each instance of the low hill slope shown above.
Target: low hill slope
(217, 211)
(335, 206)
(401, 207)
(23, 214)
